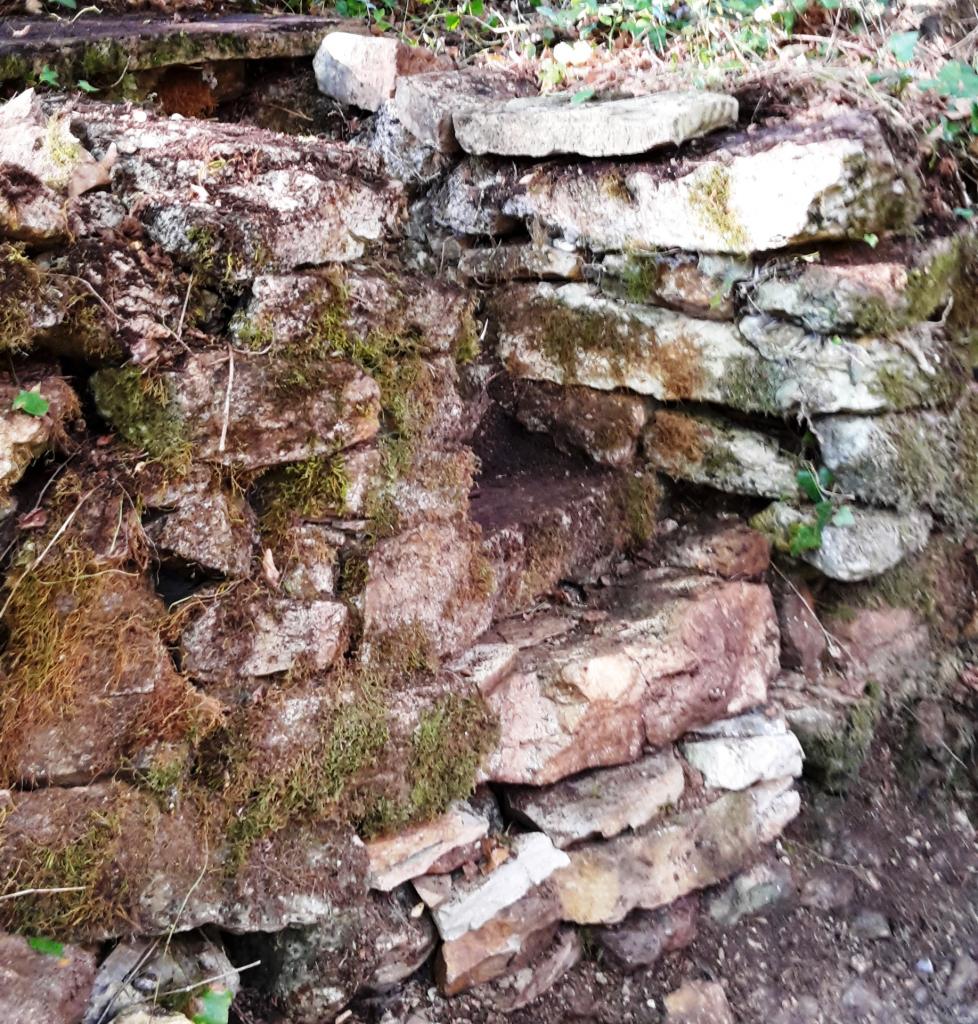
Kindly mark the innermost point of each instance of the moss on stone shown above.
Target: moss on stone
(20, 291)
(833, 758)
(709, 197)
(141, 407)
(313, 489)
(751, 385)
(641, 276)
(642, 495)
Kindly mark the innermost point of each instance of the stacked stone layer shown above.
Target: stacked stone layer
(317, 640)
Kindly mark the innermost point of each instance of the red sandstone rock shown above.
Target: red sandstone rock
(41, 988)
(646, 935)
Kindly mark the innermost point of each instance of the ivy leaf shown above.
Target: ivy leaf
(86, 86)
(871, 240)
(902, 45)
(31, 402)
(214, 1007)
(582, 95)
(809, 484)
(46, 946)
(825, 478)
(805, 537)
(964, 212)
(844, 517)
(48, 76)
(956, 80)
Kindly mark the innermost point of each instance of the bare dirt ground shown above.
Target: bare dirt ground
(885, 851)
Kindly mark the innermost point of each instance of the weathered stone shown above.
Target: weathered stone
(42, 988)
(142, 1015)
(874, 542)
(910, 459)
(523, 986)
(672, 654)
(470, 200)
(425, 104)
(698, 1002)
(403, 939)
(695, 849)
(433, 578)
(137, 966)
(262, 429)
(709, 450)
(41, 164)
(751, 892)
(282, 634)
(517, 262)
(880, 294)
(157, 870)
(741, 751)
(834, 177)
(505, 943)
(605, 426)
(804, 643)
(402, 156)
(309, 571)
(550, 125)
(24, 436)
(362, 70)
(202, 523)
(324, 306)
(890, 647)
(471, 903)
(571, 335)
(411, 853)
(234, 202)
(723, 547)
(604, 802)
(646, 935)
(699, 284)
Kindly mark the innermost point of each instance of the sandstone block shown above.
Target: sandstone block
(547, 125)
(799, 182)
(39, 987)
(717, 453)
(406, 855)
(517, 262)
(659, 864)
(724, 547)
(698, 1002)
(646, 935)
(737, 753)
(604, 802)
(471, 903)
(672, 654)
(362, 70)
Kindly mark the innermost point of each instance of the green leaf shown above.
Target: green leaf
(31, 402)
(86, 86)
(452, 21)
(805, 537)
(964, 212)
(844, 517)
(823, 514)
(214, 1007)
(902, 45)
(582, 95)
(808, 482)
(46, 946)
(825, 477)
(48, 76)
(72, 5)
(871, 240)
(956, 80)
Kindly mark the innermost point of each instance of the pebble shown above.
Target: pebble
(963, 978)
(924, 966)
(870, 924)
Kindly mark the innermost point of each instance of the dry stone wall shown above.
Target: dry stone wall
(379, 586)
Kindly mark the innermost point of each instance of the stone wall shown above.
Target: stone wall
(389, 522)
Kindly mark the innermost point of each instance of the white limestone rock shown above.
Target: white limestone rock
(543, 126)
(737, 753)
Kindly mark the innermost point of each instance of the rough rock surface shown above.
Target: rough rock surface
(38, 986)
(362, 70)
(659, 864)
(673, 654)
(604, 802)
(698, 1002)
(548, 125)
(646, 935)
(23, 436)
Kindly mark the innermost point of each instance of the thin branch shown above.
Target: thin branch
(38, 892)
(227, 402)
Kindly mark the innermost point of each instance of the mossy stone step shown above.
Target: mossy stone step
(100, 48)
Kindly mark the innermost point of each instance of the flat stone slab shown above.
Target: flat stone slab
(138, 43)
(603, 802)
(549, 125)
(471, 903)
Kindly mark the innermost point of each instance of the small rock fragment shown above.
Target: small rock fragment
(698, 1002)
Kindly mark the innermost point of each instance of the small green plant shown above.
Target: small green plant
(49, 947)
(213, 1006)
(31, 402)
(815, 486)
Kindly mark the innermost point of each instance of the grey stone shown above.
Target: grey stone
(546, 125)
(874, 542)
(870, 924)
(646, 935)
(604, 802)
(755, 891)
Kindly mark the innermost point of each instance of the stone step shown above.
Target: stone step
(102, 49)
